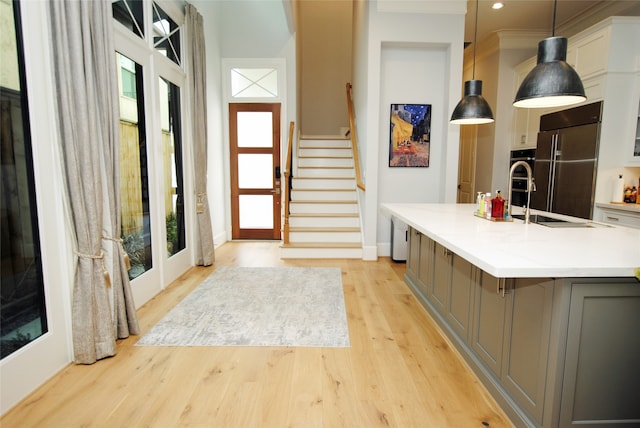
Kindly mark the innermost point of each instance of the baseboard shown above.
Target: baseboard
(384, 249)
(219, 239)
(369, 253)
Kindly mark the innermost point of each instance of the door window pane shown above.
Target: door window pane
(255, 171)
(255, 129)
(256, 211)
(134, 177)
(23, 312)
(172, 161)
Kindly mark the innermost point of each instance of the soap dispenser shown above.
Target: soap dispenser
(497, 206)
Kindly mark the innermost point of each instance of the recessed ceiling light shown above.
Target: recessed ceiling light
(497, 5)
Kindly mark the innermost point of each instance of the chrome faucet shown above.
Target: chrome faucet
(531, 187)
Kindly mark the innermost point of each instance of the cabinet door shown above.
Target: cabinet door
(602, 373)
(413, 256)
(425, 264)
(527, 334)
(439, 294)
(489, 321)
(461, 297)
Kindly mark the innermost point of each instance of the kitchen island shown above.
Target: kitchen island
(547, 317)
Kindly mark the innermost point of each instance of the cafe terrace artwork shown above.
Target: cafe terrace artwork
(410, 135)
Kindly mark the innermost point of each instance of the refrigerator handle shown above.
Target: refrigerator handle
(552, 171)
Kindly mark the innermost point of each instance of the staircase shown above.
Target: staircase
(324, 219)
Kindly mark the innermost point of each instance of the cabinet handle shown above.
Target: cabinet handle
(502, 287)
(612, 218)
(446, 252)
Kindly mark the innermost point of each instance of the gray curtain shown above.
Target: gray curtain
(198, 97)
(86, 82)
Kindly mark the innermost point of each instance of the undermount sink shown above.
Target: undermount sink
(555, 222)
(536, 218)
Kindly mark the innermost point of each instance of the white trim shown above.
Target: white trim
(277, 63)
(370, 252)
(227, 64)
(26, 369)
(155, 65)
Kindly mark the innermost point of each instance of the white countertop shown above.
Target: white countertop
(518, 250)
(634, 208)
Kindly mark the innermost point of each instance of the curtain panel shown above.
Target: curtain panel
(87, 107)
(197, 77)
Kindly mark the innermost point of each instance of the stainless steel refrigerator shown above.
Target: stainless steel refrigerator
(566, 161)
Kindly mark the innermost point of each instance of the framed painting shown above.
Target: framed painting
(410, 135)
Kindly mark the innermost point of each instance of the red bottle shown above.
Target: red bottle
(497, 206)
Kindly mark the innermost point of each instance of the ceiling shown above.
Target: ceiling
(572, 16)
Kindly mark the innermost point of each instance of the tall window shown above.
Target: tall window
(23, 312)
(172, 161)
(152, 194)
(134, 173)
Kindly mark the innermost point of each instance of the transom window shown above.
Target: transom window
(130, 14)
(254, 82)
(166, 35)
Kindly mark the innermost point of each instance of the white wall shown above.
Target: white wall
(512, 50)
(216, 173)
(411, 75)
(435, 34)
(325, 61)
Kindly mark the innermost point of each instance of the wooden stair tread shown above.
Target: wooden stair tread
(322, 245)
(323, 202)
(323, 138)
(322, 178)
(323, 215)
(324, 190)
(325, 167)
(324, 229)
(325, 147)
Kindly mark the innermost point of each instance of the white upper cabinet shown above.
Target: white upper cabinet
(588, 54)
(605, 56)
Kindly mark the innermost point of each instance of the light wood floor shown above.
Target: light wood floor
(398, 372)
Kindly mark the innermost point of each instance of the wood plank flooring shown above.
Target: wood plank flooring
(398, 372)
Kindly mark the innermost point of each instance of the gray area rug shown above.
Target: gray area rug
(261, 306)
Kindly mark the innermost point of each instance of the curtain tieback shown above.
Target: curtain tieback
(199, 203)
(100, 257)
(125, 255)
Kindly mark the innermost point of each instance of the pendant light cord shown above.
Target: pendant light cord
(475, 40)
(553, 29)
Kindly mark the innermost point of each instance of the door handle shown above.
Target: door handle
(276, 191)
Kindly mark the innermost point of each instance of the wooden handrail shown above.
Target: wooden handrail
(354, 140)
(286, 184)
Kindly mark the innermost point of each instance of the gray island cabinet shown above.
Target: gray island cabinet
(554, 350)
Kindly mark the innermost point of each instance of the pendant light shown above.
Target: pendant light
(552, 82)
(472, 109)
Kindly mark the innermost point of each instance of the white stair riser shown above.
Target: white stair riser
(324, 222)
(328, 153)
(323, 195)
(321, 253)
(326, 172)
(325, 162)
(325, 236)
(306, 183)
(325, 143)
(304, 208)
